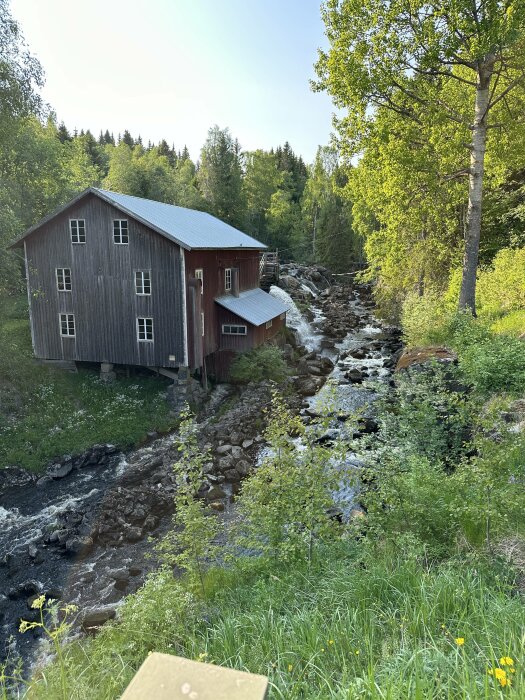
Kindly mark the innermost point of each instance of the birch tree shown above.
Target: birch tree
(401, 55)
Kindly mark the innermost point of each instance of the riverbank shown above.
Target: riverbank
(81, 531)
(47, 413)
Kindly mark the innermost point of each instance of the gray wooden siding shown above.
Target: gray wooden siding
(103, 296)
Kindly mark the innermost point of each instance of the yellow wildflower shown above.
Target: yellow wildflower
(357, 652)
(330, 641)
(506, 661)
(290, 667)
(38, 602)
(460, 641)
(500, 675)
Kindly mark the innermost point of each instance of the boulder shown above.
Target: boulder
(308, 386)
(75, 545)
(422, 356)
(25, 589)
(96, 618)
(223, 449)
(217, 506)
(59, 471)
(214, 493)
(355, 375)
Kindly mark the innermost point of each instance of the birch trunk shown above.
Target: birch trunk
(467, 296)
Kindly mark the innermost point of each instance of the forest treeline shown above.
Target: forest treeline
(272, 195)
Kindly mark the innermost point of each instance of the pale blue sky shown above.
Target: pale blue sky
(173, 68)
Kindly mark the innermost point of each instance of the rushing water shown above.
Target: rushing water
(307, 333)
(345, 398)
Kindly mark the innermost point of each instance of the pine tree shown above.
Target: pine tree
(220, 176)
(127, 139)
(63, 134)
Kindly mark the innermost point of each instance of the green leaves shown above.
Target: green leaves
(285, 505)
(191, 544)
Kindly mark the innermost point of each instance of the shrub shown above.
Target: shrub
(425, 319)
(264, 362)
(285, 506)
(501, 288)
(512, 323)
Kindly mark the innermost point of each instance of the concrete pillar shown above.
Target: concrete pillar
(106, 372)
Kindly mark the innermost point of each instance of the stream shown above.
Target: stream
(84, 537)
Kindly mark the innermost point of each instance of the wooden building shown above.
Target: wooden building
(123, 280)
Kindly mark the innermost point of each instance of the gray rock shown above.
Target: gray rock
(59, 471)
(232, 475)
(223, 449)
(215, 493)
(75, 545)
(94, 619)
(236, 452)
(246, 444)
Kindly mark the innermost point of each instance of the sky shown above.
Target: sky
(173, 68)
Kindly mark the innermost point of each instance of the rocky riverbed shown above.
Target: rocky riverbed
(82, 531)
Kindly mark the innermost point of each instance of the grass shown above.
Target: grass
(358, 624)
(46, 413)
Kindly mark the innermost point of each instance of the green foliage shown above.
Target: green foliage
(327, 234)
(501, 288)
(426, 320)
(22, 74)
(285, 505)
(219, 176)
(191, 544)
(52, 622)
(378, 623)
(512, 323)
(259, 364)
(408, 80)
(436, 473)
(47, 413)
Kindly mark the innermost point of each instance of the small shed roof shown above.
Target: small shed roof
(191, 229)
(254, 306)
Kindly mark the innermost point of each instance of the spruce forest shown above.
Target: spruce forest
(343, 512)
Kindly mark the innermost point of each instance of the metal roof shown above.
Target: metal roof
(254, 306)
(189, 228)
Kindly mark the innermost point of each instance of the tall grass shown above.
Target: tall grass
(363, 624)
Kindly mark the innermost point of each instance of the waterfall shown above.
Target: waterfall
(306, 333)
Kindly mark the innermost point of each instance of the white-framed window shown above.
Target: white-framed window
(145, 330)
(269, 324)
(233, 329)
(282, 316)
(202, 323)
(63, 276)
(199, 274)
(120, 231)
(143, 282)
(77, 228)
(227, 279)
(67, 325)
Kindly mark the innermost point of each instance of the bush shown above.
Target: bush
(425, 320)
(264, 362)
(489, 361)
(501, 288)
(512, 323)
